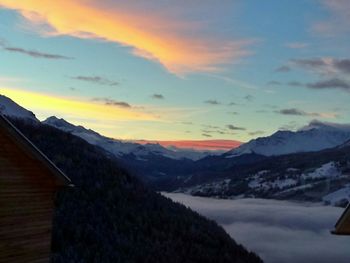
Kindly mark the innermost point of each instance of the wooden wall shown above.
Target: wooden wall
(26, 205)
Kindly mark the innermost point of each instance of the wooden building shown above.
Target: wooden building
(343, 225)
(28, 183)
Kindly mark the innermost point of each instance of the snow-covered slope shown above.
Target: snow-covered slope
(10, 108)
(120, 148)
(314, 137)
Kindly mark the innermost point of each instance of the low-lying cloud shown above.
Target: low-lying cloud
(278, 231)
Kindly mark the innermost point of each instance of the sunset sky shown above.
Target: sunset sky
(178, 70)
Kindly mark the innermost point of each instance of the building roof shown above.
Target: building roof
(26, 145)
(342, 227)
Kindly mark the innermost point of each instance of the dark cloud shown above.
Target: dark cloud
(31, 53)
(298, 112)
(249, 97)
(158, 96)
(334, 83)
(206, 135)
(343, 65)
(273, 83)
(283, 69)
(111, 102)
(278, 231)
(212, 102)
(292, 111)
(254, 133)
(311, 62)
(232, 104)
(233, 112)
(235, 128)
(332, 65)
(295, 84)
(97, 80)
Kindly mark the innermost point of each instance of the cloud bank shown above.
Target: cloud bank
(279, 231)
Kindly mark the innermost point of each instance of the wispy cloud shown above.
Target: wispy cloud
(181, 44)
(255, 133)
(111, 102)
(298, 112)
(325, 65)
(96, 80)
(283, 69)
(297, 45)
(212, 102)
(249, 97)
(338, 21)
(273, 83)
(235, 128)
(31, 53)
(158, 96)
(295, 84)
(334, 83)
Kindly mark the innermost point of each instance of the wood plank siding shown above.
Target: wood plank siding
(27, 189)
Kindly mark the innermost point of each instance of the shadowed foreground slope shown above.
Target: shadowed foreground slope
(110, 217)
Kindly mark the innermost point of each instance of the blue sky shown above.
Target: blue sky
(166, 70)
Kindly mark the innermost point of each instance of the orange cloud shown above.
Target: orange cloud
(175, 44)
(206, 145)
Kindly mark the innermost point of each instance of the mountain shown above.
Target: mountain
(316, 136)
(120, 148)
(10, 108)
(109, 216)
(346, 144)
(322, 176)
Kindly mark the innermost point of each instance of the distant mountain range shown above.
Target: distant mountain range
(282, 165)
(114, 146)
(316, 136)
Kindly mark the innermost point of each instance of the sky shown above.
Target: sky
(278, 231)
(178, 70)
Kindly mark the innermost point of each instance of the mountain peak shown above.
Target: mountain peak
(11, 109)
(315, 136)
(316, 124)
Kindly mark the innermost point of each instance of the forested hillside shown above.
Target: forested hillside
(109, 216)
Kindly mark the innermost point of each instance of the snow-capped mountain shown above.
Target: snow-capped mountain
(119, 147)
(322, 176)
(316, 136)
(10, 108)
